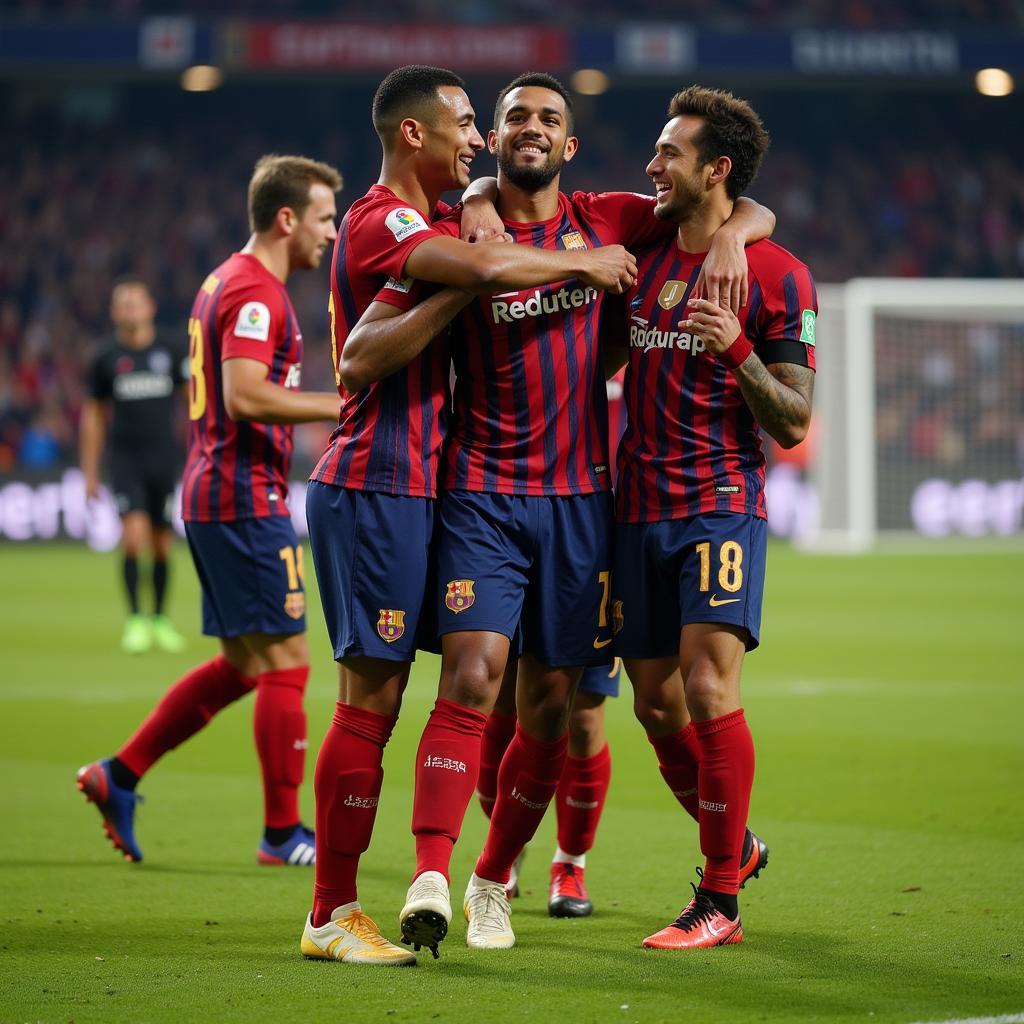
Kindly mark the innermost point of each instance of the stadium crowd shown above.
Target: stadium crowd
(87, 205)
(722, 14)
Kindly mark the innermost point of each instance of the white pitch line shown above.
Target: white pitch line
(1006, 1018)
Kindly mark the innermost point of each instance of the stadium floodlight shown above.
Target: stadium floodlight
(201, 78)
(994, 82)
(919, 401)
(589, 82)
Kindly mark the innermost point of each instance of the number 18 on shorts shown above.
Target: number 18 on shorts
(668, 574)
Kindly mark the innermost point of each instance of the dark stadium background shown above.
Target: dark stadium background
(886, 160)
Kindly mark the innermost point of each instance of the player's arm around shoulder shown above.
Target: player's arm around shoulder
(724, 277)
(483, 268)
(388, 337)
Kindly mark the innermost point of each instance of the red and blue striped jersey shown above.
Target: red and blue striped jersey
(691, 444)
(529, 410)
(389, 434)
(238, 470)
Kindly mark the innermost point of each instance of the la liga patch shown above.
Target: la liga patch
(404, 222)
(253, 322)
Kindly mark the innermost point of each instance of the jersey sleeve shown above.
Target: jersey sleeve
(787, 318)
(407, 292)
(386, 234)
(629, 216)
(101, 385)
(252, 323)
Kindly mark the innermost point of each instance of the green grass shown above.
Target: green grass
(886, 704)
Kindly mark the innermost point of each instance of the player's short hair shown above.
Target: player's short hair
(279, 181)
(731, 128)
(130, 280)
(410, 91)
(542, 80)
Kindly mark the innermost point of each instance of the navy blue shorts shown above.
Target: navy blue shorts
(251, 575)
(372, 556)
(707, 568)
(537, 564)
(602, 679)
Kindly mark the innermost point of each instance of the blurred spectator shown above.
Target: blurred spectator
(723, 14)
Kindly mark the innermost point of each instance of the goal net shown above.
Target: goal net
(919, 403)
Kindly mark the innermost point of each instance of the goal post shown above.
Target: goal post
(919, 408)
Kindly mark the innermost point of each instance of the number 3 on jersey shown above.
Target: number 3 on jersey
(197, 378)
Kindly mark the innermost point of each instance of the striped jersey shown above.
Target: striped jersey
(389, 434)
(691, 444)
(529, 409)
(238, 470)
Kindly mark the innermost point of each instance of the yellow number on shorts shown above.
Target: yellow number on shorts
(292, 558)
(730, 559)
(605, 581)
(334, 340)
(197, 378)
(730, 575)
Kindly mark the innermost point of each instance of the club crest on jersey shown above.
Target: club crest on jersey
(391, 624)
(404, 222)
(574, 240)
(295, 604)
(618, 619)
(671, 294)
(460, 595)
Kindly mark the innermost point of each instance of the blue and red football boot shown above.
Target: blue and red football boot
(115, 803)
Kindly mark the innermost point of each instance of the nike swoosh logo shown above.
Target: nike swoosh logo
(716, 603)
(715, 932)
(598, 644)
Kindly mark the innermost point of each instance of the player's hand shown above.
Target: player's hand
(480, 221)
(723, 277)
(92, 488)
(611, 268)
(718, 328)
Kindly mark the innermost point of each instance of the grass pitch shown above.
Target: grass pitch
(886, 705)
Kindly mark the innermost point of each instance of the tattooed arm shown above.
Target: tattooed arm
(779, 395)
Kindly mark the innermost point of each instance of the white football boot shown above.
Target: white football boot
(489, 915)
(352, 937)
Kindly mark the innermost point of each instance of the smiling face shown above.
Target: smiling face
(680, 179)
(314, 230)
(531, 139)
(451, 141)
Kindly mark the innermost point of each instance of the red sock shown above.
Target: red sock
(498, 733)
(580, 800)
(183, 710)
(678, 761)
(726, 778)
(279, 722)
(527, 781)
(347, 786)
(447, 765)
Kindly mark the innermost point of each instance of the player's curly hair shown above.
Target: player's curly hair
(410, 91)
(731, 128)
(544, 81)
(279, 181)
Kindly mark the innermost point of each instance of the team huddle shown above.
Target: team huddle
(467, 502)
